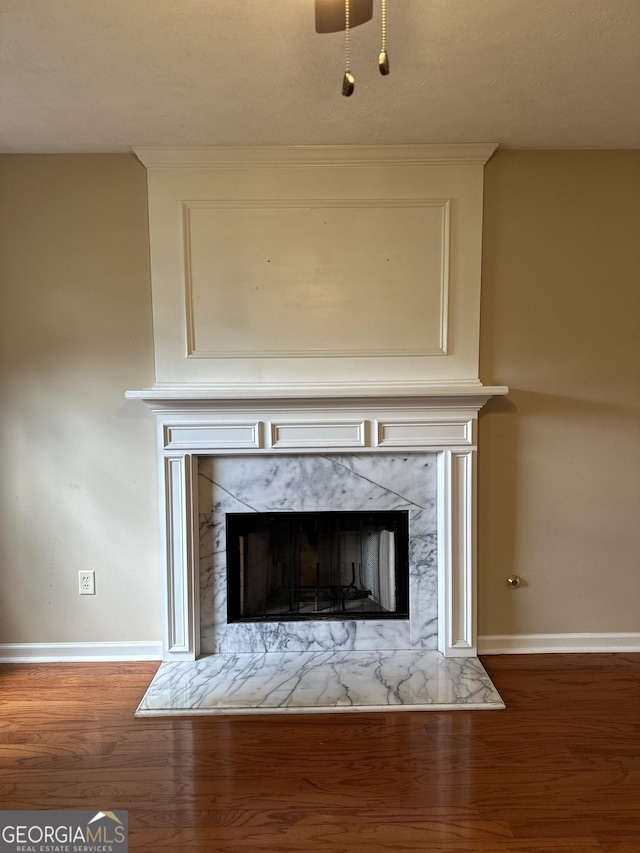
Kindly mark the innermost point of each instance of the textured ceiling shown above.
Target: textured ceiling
(103, 75)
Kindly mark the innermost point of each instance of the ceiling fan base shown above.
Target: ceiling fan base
(330, 14)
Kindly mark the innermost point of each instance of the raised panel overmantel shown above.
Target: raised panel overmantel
(338, 264)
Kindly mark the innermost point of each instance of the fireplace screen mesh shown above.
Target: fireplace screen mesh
(314, 565)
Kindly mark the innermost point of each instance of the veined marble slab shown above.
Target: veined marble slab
(316, 682)
(318, 483)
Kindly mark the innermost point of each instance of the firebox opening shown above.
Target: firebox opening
(290, 566)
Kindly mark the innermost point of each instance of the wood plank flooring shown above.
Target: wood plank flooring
(558, 771)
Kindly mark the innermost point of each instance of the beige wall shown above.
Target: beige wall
(560, 459)
(78, 472)
(559, 469)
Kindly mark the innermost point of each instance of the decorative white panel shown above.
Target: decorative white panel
(318, 434)
(307, 278)
(213, 436)
(420, 433)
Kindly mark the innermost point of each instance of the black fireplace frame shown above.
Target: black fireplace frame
(239, 524)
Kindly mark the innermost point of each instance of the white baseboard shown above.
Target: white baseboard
(497, 644)
(529, 644)
(78, 652)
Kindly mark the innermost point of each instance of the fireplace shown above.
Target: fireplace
(317, 565)
(228, 458)
(316, 332)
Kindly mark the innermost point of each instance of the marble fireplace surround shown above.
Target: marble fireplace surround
(318, 483)
(416, 452)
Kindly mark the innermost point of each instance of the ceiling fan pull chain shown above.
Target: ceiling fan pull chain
(348, 83)
(383, 59)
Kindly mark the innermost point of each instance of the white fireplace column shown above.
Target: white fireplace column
(190, 427)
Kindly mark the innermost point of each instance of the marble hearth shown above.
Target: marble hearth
(320, 682)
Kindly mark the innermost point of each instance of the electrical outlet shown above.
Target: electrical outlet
(87, 582)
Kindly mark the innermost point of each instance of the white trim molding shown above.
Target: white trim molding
(181, 611)
(79, 652)
(165, 397)
(423, 286)
(456, 552)
(532, 644)
(462, 154)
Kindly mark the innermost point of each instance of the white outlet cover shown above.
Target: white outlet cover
(87, 582)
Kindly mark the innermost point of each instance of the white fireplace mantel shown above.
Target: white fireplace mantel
(318, 301)
(201, 422)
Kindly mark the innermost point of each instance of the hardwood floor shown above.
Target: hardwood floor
(559, 770)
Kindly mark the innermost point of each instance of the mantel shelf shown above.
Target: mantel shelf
(400, 393)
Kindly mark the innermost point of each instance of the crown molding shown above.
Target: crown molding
(475, 154)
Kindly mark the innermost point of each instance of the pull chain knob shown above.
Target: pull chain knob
(348, 84)
(348, 81)
(383, 59)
